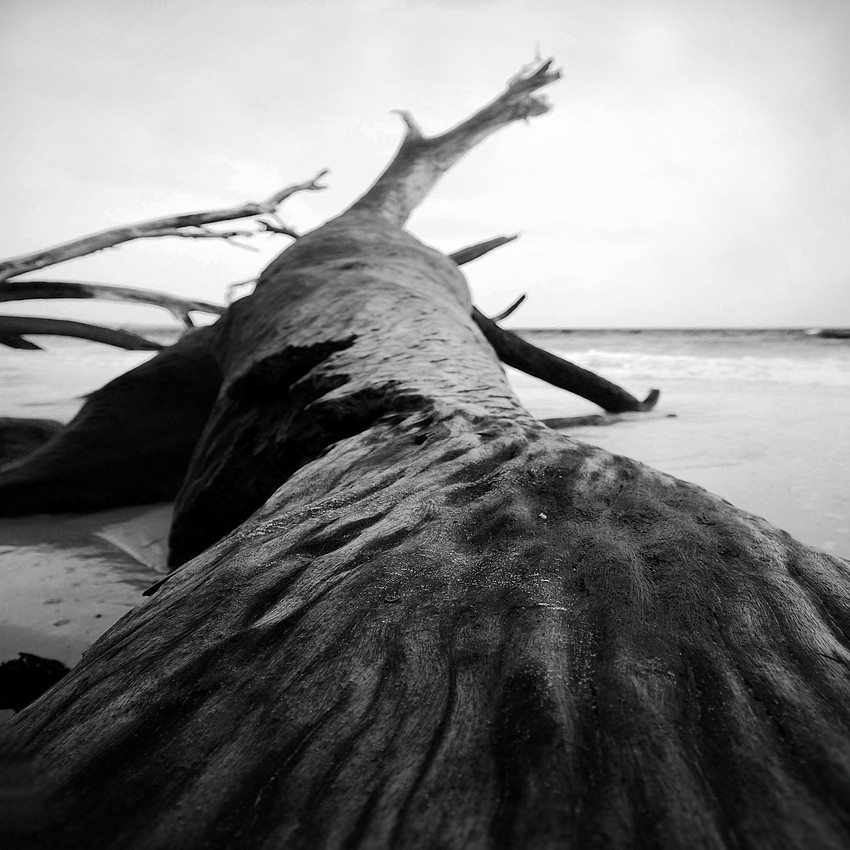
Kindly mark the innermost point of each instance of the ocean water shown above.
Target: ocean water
(761, 417)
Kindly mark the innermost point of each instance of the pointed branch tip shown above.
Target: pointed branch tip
(536, 72)
(509, 310)
(413, 130)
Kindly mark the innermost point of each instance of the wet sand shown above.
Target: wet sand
(63, 585)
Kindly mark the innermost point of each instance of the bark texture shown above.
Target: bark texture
(459, 629)
(131, 442)
(20, 437)
(440, 623)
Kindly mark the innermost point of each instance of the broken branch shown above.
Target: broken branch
(479, 249)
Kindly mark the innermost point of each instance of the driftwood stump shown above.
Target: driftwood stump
(415, 617)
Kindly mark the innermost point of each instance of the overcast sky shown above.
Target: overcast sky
(694, 170)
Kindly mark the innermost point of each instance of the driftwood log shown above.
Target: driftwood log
(438, 623)
(134, 438)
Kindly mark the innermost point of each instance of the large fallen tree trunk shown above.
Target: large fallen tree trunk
(448, 626)
(20, 437)
(114, 451)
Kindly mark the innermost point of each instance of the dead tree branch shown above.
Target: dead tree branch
(16, 326)
(479, 249)
(18, 342)
(421, 161)
(515, 351)
(168, 226)
(30, 290)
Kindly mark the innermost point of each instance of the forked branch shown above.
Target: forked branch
(422, 160)
(189, 225)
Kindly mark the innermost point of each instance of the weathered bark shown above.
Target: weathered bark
(190, 225)
(20, 437)
(13, 327)
(449, 626)
(26, 290)
(130, 444)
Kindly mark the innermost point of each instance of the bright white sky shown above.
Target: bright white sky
(695, 169)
